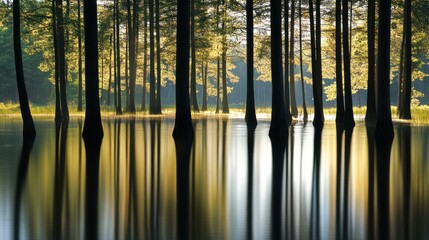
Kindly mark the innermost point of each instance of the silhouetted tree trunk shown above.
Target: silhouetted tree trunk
(144, 56)
(56, 75)
(384, 127)
(127, 69)
(204, 105)
(250, 97)
(406, 111)
(109, 86)
(29, 131)
(401, 81)
(225, 105)
(61, 60)
(79, 60)
(183, 130)
(92, 129)
(194, 101)
(294, 108)
(349, 121)
(158, 61)
(132, 55)
(338, 65)
(319, 62)
(371, 110)
(118, 63)
(218, 85)
(318, 105)
(286, 63)
(304, 105)
(152, 107)
(278, 127)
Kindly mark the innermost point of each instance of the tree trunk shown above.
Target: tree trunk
(29, 131)
(132, 56)
(406, 113)
(109, 86)
(401, 78)
(204, 72)
(61, 60)
(318, 111)
(58, 118)
(371, 111)
(194, 101)
(92, 130)
(127, 70)
(79, 47)
(152, 107)
(304, 105)
(250, 97)
(144, 56)
(338, 66)
(225, 105)
(183, 129)
(348, 117)
(218, 85)
(118, 63)
(384, 127)
(278, 129)
(294, 108)
(158, 61)
(286, 63)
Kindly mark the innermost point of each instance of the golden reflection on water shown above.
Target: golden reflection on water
(318, 185)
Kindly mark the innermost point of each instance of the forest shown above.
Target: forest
(137, 46)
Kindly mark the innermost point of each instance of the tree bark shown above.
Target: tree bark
(61, 60)
(286, 63)
(225, 105)
(132, 56)
(194, 101)
(294, 108)
(278, 128)
(92, 130)
(338, 66)
(158, 61)
(29, 131)
(152, 107)
(304, 105)
(118, 63)
(79, 47)
(348, 117)
(384, 126)
(183, 130)
(371, 111)
(218, 85)
(58, 118)
(406, 113)
(109, 85)
(204, 73)
(143, 108)
(250, 116)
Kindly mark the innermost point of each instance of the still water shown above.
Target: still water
(231, 184)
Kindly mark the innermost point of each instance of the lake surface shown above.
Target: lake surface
(234, 185)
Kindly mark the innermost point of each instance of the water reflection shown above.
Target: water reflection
(229, 183)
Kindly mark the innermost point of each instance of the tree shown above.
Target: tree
(304, 106)
(278, 127)
(183, 124)
(118, 62)
(132, 53)
(204, 73)
(61, 59)
(405, 110)
(286, 63)
(294, 109)
(225, 106)
(315, 66)
(370, 116)
(384, 126)
(92, 129)
(250, 97)
(338, 65)
(158, 61)
(194, 101)
(152, 107)
(348, 117)
(143, 108)
(79, 42)
(29, 131)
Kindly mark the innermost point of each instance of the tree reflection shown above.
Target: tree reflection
(21, 176)
(404, 143)
(383, 147)
(278, 146)
(91, 188)
(183, 151)
(250, 149)
(315, 195)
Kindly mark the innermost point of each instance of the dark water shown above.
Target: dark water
(234, 185)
